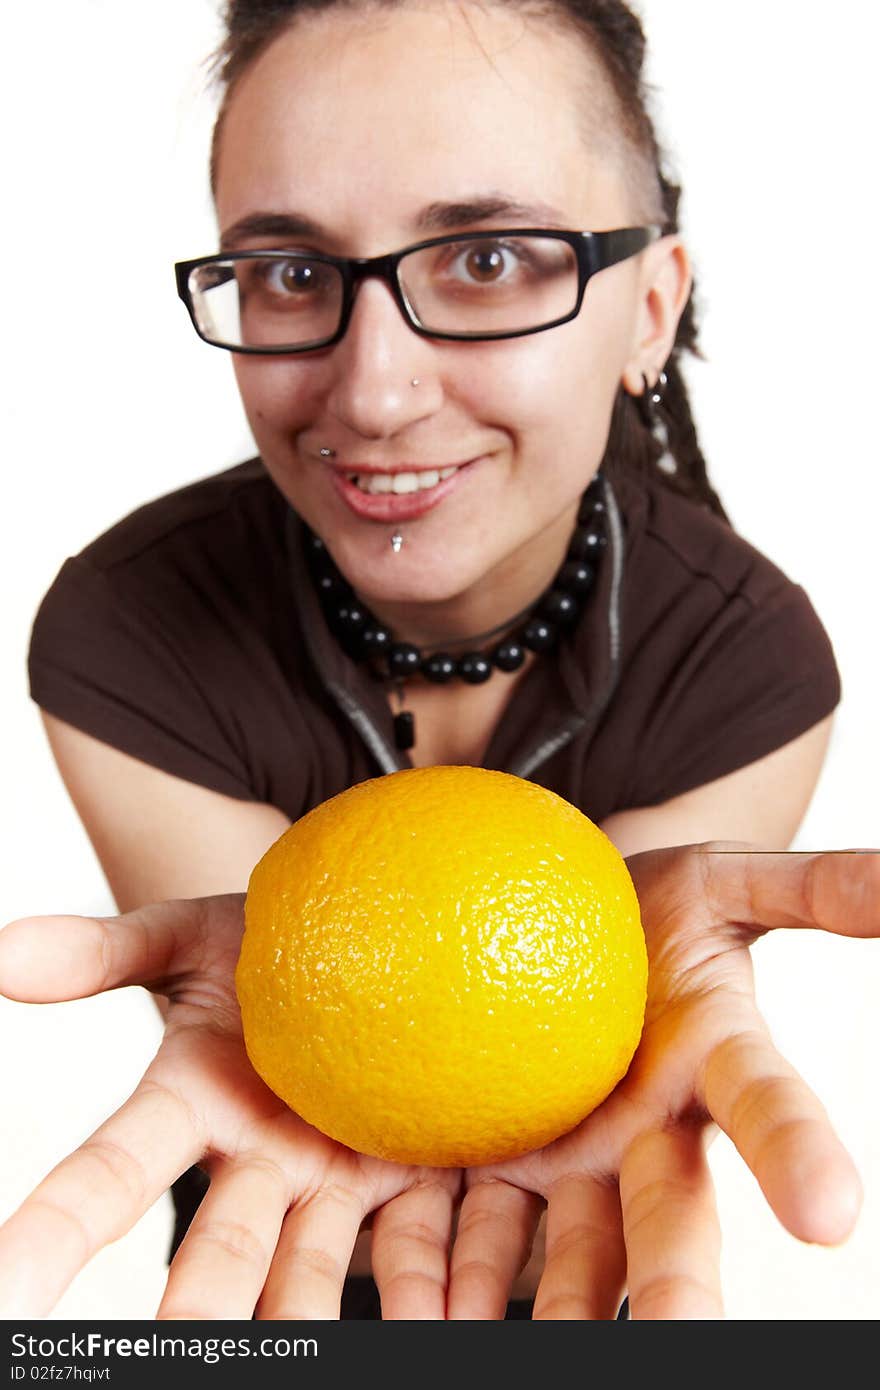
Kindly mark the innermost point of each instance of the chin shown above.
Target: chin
(396, 579)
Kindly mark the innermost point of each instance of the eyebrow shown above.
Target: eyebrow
(443, 217)
(435, 217)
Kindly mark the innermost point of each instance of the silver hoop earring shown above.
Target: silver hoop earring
(650, 403)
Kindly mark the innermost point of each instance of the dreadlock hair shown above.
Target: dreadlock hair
(614, 34)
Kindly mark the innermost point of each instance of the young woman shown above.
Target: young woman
(479, 530)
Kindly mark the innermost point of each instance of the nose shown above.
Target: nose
(384, 376)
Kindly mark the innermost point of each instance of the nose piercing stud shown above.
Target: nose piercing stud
(327, 453)
(397, 542)
(415, 381)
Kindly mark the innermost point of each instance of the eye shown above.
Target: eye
(485, 262)
(294, 277)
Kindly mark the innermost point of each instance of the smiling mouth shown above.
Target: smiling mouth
(401, 483)
(401, 495)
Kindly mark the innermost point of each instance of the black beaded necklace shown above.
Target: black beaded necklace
(537, 629)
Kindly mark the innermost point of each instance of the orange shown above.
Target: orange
(443, 965)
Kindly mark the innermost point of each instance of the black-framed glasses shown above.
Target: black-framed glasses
(473, 287)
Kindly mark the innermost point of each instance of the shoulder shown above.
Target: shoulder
(683, 544)
(697, 596)
(191, 564)
(197, 571)
(723, 657)
(211, 514)
(173, 637)
(692, 585)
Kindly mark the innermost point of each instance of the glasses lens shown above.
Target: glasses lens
(273, 301)
(487, 285)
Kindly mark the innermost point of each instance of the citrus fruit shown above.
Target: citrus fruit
(443, 965)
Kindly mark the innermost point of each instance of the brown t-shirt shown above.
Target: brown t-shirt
(189, 635)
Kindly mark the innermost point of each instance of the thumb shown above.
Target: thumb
(44, 960)
(832, 890)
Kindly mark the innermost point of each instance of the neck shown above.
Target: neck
(366, 635)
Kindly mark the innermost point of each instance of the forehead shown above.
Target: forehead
(360, 117)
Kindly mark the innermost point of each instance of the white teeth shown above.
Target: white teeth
(405, 482)
(401, 482)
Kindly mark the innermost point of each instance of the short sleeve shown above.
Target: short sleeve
(105, 664)
(756, 677)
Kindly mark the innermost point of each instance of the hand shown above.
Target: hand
(628, 1192)
(276, 1229)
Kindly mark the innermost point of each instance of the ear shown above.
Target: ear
(665, 285)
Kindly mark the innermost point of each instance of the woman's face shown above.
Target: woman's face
(381, 128)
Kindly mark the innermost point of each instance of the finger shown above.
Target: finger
(47, 959)
(585, 1263)
(93, 1197)
(670, 1225)
(221, 1266)
(836, 891)
(410, 1252)
(782, 1131)
(314, 1251)
(496, 1228)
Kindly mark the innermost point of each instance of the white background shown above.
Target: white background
(768, 111)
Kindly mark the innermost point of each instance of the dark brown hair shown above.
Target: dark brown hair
(614, 34)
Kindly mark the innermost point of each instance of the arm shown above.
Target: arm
(628, 1191)
(158, 836)
(794, 769)
(762, 803)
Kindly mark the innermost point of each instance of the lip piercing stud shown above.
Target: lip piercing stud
(327, 453)
(397, 542)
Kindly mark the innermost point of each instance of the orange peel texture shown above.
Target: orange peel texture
(442, 966)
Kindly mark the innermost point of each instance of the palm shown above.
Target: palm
(699, 993)
(628, 1191)
(285, 1204)
(628, 1194)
